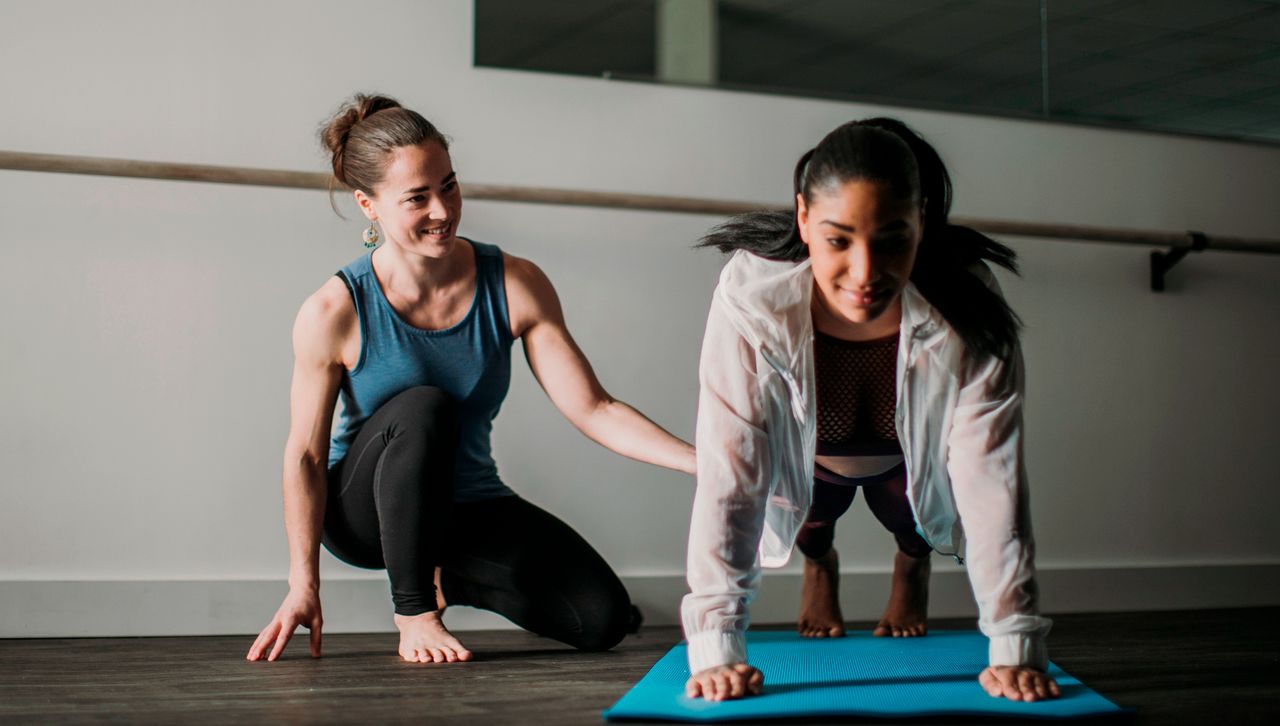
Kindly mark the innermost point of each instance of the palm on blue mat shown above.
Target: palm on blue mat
(857, 675)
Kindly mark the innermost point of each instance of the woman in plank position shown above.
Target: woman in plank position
(415, 337)
(861, 342)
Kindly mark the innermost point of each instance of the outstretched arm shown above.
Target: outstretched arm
(728, 516)
(990, 484)
(317, 370)
(565, 374)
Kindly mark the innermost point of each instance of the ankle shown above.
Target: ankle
(428, 616)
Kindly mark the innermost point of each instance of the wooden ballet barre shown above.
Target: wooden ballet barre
(64, 164)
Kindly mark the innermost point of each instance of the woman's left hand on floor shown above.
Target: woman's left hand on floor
(1018, 683)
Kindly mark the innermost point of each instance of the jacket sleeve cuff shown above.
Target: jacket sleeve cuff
(712, 648)
(1019, 649)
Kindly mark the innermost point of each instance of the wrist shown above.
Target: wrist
(304, 584)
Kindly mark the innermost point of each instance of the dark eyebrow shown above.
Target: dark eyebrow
(416, 190)
(837, 225)
(893, 226)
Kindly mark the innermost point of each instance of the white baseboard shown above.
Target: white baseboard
(100, 608)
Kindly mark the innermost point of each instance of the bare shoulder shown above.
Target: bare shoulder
(525, 275)
(531, 298)
(325, 322)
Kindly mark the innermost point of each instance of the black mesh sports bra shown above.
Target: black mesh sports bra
(857, 396)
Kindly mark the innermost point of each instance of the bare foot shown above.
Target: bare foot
(907, 613)
(424, 639)
(820, 615)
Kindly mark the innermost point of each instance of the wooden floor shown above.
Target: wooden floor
(1215, 667)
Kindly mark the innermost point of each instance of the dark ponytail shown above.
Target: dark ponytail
(772, 235)
(887, 151)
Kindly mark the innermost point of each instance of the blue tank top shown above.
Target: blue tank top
(470, 361)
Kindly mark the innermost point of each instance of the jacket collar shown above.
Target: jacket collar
(918, 316)
(767, 301)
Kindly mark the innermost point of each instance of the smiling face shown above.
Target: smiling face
(862, 240)
(417, 204)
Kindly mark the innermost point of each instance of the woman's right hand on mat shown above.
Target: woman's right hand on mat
(725, 682)
(1018, 683)
(300, 607)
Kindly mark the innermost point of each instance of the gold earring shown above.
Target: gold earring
(370, 236)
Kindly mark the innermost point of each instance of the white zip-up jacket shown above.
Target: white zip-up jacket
(959, 424)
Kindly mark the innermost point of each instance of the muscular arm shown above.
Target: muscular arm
(565, 374)
(318, 335)
(323, 328)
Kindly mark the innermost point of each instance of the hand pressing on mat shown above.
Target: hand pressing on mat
(300, 607)
(1018, 683)
(722, 683)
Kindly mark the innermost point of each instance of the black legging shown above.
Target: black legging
(391, 505)
(887, 499)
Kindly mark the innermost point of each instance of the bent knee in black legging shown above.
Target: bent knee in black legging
(390, 496)
(585, 605)
(815, 539)
(520, 561)
(425, 410)
(604, 621)
(912, 544)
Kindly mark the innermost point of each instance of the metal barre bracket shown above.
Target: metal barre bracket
(1162, 262)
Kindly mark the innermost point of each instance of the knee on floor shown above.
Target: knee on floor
(605, 626)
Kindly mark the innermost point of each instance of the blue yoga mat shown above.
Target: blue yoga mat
(857, 675)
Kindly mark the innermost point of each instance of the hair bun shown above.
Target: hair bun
(367, 105)
(335, 133)
(363, 133)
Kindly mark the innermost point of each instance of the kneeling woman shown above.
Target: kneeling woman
(865, 332)
(416, 338)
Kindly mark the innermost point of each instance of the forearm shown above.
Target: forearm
(1001, 562)
(1002, 572)
(989, 481)
(727, 521)
(304, 501)
(624, 430)
(723, 574)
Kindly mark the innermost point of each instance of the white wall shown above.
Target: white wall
(146, 357)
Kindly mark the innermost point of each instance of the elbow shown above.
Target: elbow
(590, 418)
